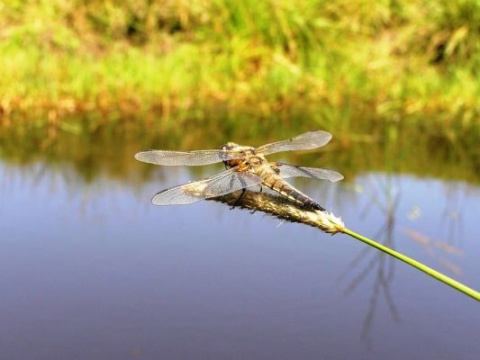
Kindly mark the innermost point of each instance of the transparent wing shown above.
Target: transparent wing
(308, 140)
(287, 171)
(224, 183)
(188, 158)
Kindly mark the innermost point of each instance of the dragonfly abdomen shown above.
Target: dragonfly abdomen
(277, 184)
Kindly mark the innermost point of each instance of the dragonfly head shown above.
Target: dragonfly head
(230, 146)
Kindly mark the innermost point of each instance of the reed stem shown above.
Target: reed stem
(429, 271)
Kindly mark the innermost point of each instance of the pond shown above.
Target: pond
(90, 269)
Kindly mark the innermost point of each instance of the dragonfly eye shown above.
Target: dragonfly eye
(229, 146)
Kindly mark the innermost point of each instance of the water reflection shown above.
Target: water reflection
(95, 147)
(384, 196)
(92, 270)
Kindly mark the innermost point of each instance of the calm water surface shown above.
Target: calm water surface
(94, 271)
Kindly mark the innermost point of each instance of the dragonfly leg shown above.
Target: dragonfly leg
(254, 211)
(238, 199)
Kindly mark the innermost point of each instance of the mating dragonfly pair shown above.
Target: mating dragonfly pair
(246, 166)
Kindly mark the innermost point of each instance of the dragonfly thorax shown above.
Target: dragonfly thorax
(243, 157)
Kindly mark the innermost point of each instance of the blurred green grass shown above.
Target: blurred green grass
(355, 59)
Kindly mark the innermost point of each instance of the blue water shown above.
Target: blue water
(94, 271)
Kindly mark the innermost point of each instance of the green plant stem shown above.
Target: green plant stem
(433, 273)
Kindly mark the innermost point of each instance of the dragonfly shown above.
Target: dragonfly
(246, 167)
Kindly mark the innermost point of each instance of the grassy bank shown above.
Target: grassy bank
(339, 60)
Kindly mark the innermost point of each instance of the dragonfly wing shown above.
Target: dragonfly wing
(224, 183)
(287, 171)
(305, 141)
(188, 158)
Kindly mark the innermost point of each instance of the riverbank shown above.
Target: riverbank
(352, 60)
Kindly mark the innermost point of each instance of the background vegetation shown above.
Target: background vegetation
(403, 72)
